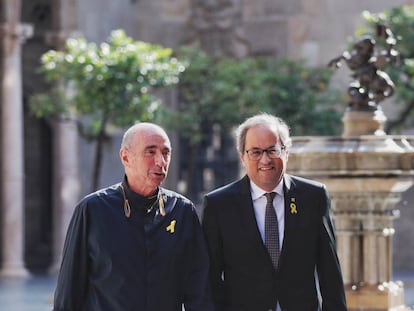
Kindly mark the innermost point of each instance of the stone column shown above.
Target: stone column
(365, 176)
(66, 183)
(12, 150)
(349, 247)
(364, 207)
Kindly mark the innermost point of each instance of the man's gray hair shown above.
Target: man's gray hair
(276, 124)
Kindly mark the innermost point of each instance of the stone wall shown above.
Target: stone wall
(316, 30)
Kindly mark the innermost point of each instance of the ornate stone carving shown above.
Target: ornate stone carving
(218, 28)
(366, 176)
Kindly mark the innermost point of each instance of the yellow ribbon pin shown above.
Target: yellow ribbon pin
(293, 209)
(171, 227)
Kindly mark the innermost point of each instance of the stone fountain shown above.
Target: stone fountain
(366, 172)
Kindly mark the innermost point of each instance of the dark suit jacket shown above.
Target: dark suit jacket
(243, 277)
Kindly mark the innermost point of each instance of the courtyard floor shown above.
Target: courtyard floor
(35, 293)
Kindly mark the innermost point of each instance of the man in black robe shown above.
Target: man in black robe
(135, 246)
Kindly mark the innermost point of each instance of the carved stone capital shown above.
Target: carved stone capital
(13, 35)
(16, 31)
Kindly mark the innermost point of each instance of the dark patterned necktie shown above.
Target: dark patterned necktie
(272, 230)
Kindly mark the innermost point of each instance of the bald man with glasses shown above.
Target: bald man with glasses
(270, 236)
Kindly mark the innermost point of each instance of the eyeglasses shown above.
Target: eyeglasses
(255, 154)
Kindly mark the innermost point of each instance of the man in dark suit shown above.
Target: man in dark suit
(271, 252)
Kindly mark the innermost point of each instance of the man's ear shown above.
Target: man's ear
(123, 154)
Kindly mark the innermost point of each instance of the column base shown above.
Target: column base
(54, 268)
(388, 296)
(14, 272)
(358, 123)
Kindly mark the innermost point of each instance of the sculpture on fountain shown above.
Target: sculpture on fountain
(367, 60)
(366, 171)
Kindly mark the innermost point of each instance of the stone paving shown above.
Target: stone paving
(35, 293)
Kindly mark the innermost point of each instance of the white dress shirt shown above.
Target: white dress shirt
(259, 205)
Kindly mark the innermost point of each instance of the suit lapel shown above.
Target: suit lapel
(290, 193)
(248, 216)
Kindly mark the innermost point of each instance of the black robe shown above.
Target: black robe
(114, 263)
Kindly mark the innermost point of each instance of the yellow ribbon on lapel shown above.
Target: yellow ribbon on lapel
(171, 227)
(293, 209)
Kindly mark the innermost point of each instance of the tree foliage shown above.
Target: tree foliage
(224, 91)
(220, 92)
(111, 82)
(107, 84)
